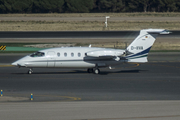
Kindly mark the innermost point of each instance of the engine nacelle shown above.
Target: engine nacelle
(104, 53)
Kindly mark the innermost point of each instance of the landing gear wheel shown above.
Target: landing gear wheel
(30, 71)
(96, 71)
(90, 70)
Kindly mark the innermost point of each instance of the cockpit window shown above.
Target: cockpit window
(37, 54)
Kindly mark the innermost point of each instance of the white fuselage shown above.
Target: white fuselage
(71, 57)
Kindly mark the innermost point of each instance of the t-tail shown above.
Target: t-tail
(138, 50)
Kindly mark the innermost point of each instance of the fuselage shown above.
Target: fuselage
(71, 57)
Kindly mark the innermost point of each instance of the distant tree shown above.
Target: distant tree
(57, 5)
(46, 6)
(159, 6)
(141, 5)
(110, 5)
(86, 6)
(79, 6)
(178, 5)
(134, 6)
(104, 5)
(20, 6)
(118, 6)
(146, 4)
(170, 5)
(6, 6)
(2, 7)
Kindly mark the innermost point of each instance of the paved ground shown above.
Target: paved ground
(156, 80)
(132, 91)
(124, 110)
(153, 81)
(77, 34)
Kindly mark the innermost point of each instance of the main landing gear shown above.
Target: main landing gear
(30, 71)
(95, 70)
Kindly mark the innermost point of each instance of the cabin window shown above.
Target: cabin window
(65, 54)
(72, 54)
(79, 54)
(37, 54)
(58, 54)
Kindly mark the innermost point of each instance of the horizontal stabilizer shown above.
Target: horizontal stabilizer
(138, 60)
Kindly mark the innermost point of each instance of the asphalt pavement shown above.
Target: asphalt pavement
(149, 81)
(76, 34)
(104, 110)
(131, 91)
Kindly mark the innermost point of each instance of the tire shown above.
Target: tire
(30, 71)
(96, 71)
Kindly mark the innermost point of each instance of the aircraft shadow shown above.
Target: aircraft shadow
(122, 71)
(85, 72)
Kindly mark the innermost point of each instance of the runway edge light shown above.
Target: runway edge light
(1, 93)
(31, 96)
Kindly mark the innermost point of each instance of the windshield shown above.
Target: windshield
(37, 54)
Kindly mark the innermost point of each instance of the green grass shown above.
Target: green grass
(3, 52)
(17, 44)
(19, 48)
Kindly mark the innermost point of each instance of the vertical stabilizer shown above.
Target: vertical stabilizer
(138, 50)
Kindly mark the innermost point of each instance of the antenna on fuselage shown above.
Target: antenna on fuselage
(89, 45)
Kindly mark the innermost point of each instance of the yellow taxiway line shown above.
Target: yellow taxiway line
(6, 65)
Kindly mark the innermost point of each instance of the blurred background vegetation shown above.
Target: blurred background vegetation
(88, 6)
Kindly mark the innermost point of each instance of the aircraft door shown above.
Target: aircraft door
(51, 59)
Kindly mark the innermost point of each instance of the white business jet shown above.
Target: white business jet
(90, 57)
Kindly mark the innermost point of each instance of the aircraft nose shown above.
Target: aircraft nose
(14, 64)
(20, 62)
(17, 64)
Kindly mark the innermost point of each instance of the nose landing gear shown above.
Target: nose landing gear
(30, 71)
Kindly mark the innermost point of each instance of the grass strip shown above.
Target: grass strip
(23, 49)
(84, 25)
(17, 44)
(4, 52)
(134, 14)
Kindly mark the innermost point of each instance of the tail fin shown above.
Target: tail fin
(138, 50)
